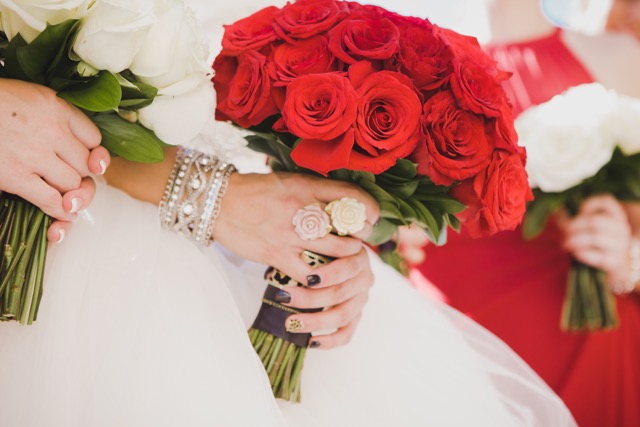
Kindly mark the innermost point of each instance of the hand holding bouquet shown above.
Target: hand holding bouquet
(411, 112)
(103, 57)
(581, 143)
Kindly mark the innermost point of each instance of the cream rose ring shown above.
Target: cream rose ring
(311, 222)
(348, 216)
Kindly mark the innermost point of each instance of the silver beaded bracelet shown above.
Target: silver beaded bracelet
(192, 199)
(629, 284)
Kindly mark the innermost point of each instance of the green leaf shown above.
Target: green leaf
(378, 193)
(453, 222)
(11, 63)
(101, 93)
(128, 140)
(382, 232)
(403, 168)
(390, 210)
(426, 218)
(538, 213)
(135, 94)
(443, 202)
(39, 55)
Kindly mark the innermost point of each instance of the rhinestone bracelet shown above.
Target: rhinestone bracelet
(629, 284)
(193, 196)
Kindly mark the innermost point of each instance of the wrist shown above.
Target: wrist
(631, 281)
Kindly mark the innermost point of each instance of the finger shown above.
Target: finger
(99, 160)
(340, 337)
(339, 271)
(75, 155)
(365, 232)
(79, 199)
(57, 231)
(48, 199)
(413, 255)
(591, 257)
(304, 298)
(293, 266)
(334, 318)
(333, 246)
(83, 128)
(338, 189)
(602, 204)
(60, 175)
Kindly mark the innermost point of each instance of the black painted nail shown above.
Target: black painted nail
(313, 280)
(282, 296)
(314, 344)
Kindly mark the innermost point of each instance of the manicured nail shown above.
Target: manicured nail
(293, 325)
(75, 205)
(314, 344)
(61, 234)
(282, 296)
(313, 280)
(103, 167)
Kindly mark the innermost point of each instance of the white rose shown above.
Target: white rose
(112, 33)
(565, 138)
(173, 50)
(177, 119)
(624, 125)
(30, 17)
(348, 215)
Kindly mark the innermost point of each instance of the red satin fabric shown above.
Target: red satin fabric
(515, 288)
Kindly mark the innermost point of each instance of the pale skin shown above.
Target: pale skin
(47, 151)
(264, 233)
(600, 235)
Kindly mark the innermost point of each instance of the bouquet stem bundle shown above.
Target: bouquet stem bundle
(588, 305)
(281, 352)
(23, 248)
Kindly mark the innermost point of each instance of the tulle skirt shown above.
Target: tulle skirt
(140, 327)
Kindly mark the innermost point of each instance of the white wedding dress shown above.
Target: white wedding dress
(140, 327)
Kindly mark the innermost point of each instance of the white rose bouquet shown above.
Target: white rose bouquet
(580, 143)
(137, 68)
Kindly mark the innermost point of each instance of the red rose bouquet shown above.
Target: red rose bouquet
(413, 113)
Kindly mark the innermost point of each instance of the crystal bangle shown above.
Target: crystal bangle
(193, 196)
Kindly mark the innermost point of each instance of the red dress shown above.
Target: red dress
(515, 288)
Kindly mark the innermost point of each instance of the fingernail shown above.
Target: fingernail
(61, 234)
(103, 167)
(314, 344)
(313, 280)
(282, 296)
(75, 205)
(293, 325)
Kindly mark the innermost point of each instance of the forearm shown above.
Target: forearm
(143, 181)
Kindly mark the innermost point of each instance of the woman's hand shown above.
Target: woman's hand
(600, 236)
(344, 291)
(255, 221)
(47, 150)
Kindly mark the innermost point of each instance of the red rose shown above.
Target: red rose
(388, 124)
(358, 11)
(310, 56)
(496, 197)
(456, 145)
(422, 55)
(502, 130)
(243, 89)
(357, 39)
(307, 18)
(251, 33)
(475, 89)
(320, 106)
